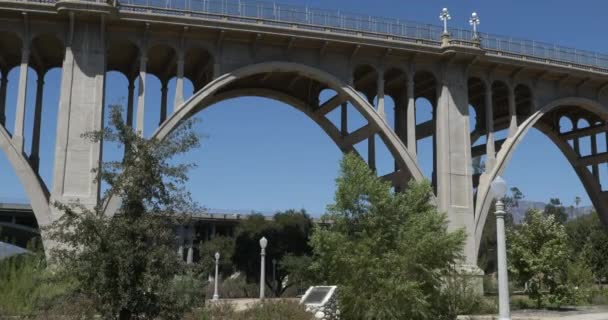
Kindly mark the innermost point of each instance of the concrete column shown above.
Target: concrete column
(594, 167)
(371, 152)
(503, 277)
(141, 99)
(81, 105)
(21, 97)
(344, 119)
(180, 242)
(371, 145)
(575, 141)
(3, 86)
(35, 151)
(212, 230)
(163, 102)
(512, 112)
(130, 103)
(411, 115)
(454, 164)
(179, 83)
(190, 254)
(490, 152)
(380, 106)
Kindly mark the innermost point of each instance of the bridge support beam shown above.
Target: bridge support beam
(454, 182)
(80, 110)
(3, 86)
(512, 112)
(163, 102)
(21, 96)
(130, 98)
(380, 89)
(141, 99)
(35, 151)
(490, 150)
(411, 115)
(179, 83)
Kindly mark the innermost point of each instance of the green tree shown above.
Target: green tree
(588, 240)
(287, 233)
(556, 209)
(126, 264)
(538, 256)
(298, 270)
(579, 230)
(595, 250)
(386, 251)
(225, 247)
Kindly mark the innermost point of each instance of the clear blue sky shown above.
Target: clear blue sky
(262, 155)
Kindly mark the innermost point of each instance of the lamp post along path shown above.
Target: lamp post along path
(499, 189)
(263, 244)
(216, 296)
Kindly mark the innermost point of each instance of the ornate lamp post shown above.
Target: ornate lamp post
(263, 244)
(474, 21)
(445, 16)
(499, 189)
(216, 296)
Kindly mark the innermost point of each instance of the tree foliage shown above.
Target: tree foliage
(556, 209)
(386, 251)
(538, 257)
(225, 246)
(287, 234)
(126, 264)
(589, 241)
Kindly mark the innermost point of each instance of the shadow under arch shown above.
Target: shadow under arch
(213, 93)
(511, 144)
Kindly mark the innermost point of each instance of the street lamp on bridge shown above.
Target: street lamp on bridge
(445, 16)
(474, 21)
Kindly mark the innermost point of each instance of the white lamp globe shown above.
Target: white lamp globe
(263, 243)
(499, 187)
(217, 256)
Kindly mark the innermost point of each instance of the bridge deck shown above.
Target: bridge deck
(355, 25)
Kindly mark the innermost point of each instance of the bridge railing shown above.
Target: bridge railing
(270, 13)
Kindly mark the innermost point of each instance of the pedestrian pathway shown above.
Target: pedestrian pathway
(584, 313)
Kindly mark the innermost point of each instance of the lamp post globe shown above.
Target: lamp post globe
(263, 243)
(498, 187)
(499, 190)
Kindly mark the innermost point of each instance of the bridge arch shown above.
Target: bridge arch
(25, 166)
(552, 131)
(34, 187)
(224, 87)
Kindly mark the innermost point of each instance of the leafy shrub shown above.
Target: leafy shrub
(279, 310)
(268, 310)
(232, 288)
(27, 286)
(460, 297)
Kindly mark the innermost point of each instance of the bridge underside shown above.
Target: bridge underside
(482, 103)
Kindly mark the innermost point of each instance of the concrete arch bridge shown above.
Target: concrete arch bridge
(230, 49)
